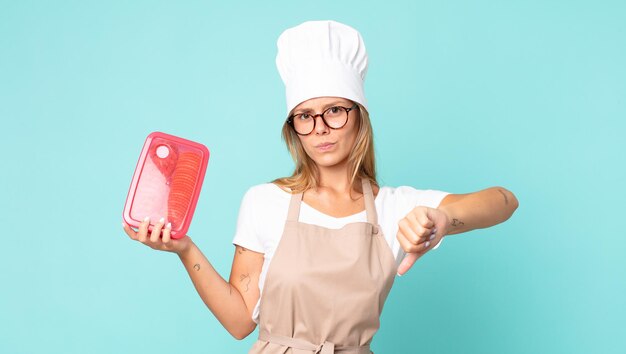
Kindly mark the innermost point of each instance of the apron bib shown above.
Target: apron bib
(325, 288)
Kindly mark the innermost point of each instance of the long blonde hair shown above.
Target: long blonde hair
(361, 162)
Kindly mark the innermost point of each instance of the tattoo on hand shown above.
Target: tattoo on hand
(506, 200)
(457, 222)
(246, 278)
(196, 266)
(241, 250)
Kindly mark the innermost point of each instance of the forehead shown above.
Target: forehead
(319, 103)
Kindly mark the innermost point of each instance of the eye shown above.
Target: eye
(305, 116)
(335, 109)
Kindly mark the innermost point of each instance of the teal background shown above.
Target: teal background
(464, 95)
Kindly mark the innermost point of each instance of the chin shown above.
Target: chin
(328, 161)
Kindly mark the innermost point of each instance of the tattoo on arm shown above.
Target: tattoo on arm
(506, 200)
(457, 222)
(245, 278)
(241, 250)
(196, 266)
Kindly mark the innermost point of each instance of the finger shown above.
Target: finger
(421, 231)
(143, 229)
(424, 220)
(407, 245)
(129, 231)
(408, 231)
(431, 236)
(408, 262)
(166, 233)
(156, 230)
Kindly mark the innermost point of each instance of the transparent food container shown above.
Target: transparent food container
(167, 182)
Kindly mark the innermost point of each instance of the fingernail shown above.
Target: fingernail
(169, 225)
(434, 231)
(432, 236)
(399, 274)
(427, 244)
(161, 220)
(123, 226)
(147, 218)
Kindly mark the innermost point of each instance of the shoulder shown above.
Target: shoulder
(410, 196)
(264, 193)
(388, 192)
(266, 188)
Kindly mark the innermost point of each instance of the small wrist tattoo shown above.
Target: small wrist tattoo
(196, 266)
(457, 222)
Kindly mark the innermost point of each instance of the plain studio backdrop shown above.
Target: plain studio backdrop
(464, 95)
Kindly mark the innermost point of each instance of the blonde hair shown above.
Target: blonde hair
(361, 163)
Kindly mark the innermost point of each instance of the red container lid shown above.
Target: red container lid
(167, 182)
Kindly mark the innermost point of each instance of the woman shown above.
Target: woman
(316, 253)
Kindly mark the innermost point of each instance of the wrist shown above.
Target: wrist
(184, 252)
(445, 210)
(455, 217)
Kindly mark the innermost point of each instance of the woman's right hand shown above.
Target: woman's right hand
(154, 239)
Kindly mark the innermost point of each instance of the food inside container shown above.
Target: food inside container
(167, 182)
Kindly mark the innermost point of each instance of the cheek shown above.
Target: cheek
(352, 134)
(303, 142)
(306, 146)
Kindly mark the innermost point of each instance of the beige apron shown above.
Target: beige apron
(325, 288)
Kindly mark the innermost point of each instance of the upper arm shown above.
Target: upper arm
(244, 276)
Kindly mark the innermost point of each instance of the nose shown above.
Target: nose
(320, 126)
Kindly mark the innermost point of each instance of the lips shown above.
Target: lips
(323, 147)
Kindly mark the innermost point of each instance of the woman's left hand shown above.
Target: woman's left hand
(421, 229)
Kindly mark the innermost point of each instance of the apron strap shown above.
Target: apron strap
(294, 207)
(300, 344)
(370, 207)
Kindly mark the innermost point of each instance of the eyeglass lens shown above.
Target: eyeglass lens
(334, 117)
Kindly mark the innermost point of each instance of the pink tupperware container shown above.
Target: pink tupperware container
(166, 182)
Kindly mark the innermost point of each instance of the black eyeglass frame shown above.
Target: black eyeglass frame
(314, 116)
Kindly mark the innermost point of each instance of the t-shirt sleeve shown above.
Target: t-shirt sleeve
(246, 234)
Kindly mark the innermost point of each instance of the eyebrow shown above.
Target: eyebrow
(325, 107)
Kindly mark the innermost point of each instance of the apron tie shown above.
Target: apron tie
(324, 348)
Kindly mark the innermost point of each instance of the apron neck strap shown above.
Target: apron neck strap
(294, 207)
(370, 208)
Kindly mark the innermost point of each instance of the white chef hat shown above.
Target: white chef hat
(322, 58)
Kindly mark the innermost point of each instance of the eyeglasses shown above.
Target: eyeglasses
(334, 117)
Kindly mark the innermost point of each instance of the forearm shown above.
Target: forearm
(224, 300)
(480, 210)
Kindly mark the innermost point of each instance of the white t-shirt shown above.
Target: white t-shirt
(264, 207)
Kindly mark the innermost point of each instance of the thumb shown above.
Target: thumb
(408, 262)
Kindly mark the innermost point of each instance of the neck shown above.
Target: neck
(335, 178)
